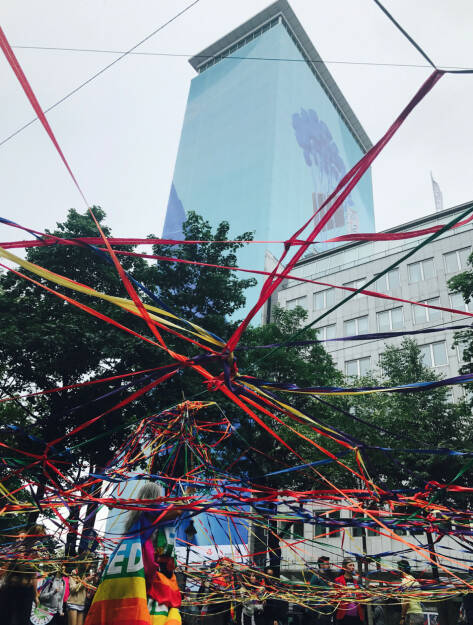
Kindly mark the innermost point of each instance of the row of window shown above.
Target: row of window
(393, 319)
(417, 272)
(432, 354)
(239, 44)
(327, 298)
(425, 269)
(319, 530)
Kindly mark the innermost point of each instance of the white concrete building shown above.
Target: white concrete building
(304, 543)
(421, 278)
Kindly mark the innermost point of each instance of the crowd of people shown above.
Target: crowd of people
(59, 597)
(228, 594)
(330, 598)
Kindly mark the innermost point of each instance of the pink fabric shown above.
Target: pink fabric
(67, 591)
(149, 563)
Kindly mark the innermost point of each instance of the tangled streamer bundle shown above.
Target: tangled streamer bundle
(203, 500)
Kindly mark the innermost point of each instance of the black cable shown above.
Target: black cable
(450, 70)
(103, 70)
(455, 68)
(406, 35)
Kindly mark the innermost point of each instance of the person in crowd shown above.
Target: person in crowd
(203, 599)
(154, 594)
(321, 612)
(77, 596)
(93, 581)
(275, 610)
(214, 592)
(52, 595)
(19, 591)
(252, 593)
(467, 603)
(411, 608)
(348, 612)
(211, 612)
(378, 612)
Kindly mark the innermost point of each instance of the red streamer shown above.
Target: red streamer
(343, 189)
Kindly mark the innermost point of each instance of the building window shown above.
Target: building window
(461, 347)
(359, 325)
(389, 281)
(294, 532)
(297, 301)
(422, 270)
(336, 514)
(457, 301)
(358, 367)
(457, 260)
(434, 354)
(356, 530)
(422, 315)
(355, 284)
(390, 319)
(327, 332)
(373, 532)
(324, 299)
(297, 530)
(321, 529)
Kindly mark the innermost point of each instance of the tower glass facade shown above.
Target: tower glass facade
(263, 144)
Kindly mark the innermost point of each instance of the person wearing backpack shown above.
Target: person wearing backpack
(52, 596)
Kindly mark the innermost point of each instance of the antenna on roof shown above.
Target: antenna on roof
(438, 197)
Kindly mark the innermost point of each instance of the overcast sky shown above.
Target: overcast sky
(121, 132)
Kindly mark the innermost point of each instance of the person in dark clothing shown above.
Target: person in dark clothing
(468, 608)
(378, 613)
(468, 600)
(214, 611)
(17, 594)
(19, 589)
(275, 610)
(321, 612)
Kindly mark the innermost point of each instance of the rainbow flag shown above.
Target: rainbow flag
(161, 615)
(121, 596)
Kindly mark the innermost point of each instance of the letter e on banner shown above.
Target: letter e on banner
(135, 560)
(115, 566)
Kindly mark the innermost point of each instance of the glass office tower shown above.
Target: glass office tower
(266, 137)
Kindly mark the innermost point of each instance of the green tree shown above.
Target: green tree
(402, 421)
(408, 422)
(259, 453)
(305, 366)
(463, 284)
(46, 342)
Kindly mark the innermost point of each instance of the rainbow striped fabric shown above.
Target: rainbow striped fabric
(121, 596)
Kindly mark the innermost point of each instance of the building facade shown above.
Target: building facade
(421, 278)
(304, 543)
(267, 135)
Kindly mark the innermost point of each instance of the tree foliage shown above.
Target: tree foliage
(463, 283)
(410, 421)
(306, 366)
(46, 342)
